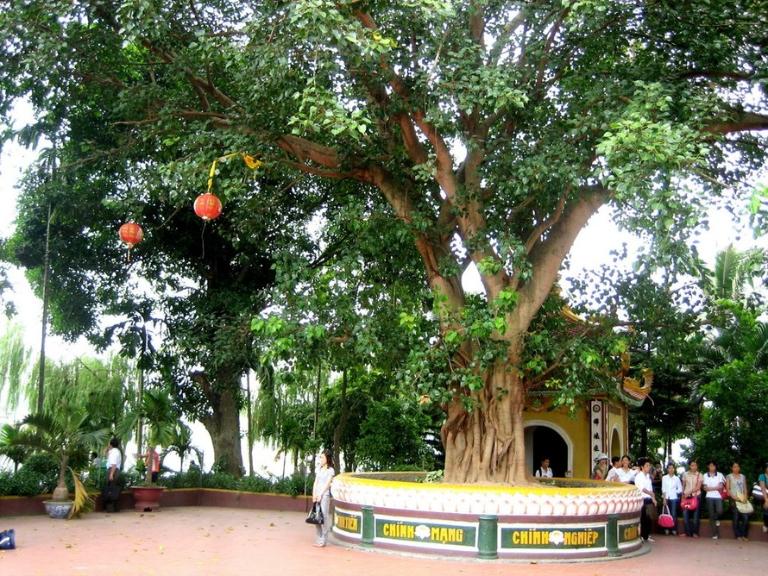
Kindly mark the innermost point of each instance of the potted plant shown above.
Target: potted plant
(67, 437)
(156, 409)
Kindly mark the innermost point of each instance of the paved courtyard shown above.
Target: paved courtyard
(224, 541)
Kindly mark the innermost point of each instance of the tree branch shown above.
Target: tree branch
(501, 41)
(548, 255)
(477, 23)
(741, 122)
(533, 238)
(548, 46)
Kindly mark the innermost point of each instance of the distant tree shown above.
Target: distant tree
(180, 443)
(735, 390)
(14, 364)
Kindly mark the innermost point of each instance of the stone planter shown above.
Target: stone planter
(568, 520)
(57, 508)
(147, 498)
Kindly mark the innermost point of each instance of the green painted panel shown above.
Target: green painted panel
(426, 532)
(629, 532)
(552, 537)
(347, 522)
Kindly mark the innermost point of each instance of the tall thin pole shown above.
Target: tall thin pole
(44, 328)
(140, 430)
(250, 420)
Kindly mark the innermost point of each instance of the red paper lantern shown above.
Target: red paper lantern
(131, 234)
(208, 206)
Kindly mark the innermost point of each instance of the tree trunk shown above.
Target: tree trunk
(338, 431)
(224, 427)
(61, 492)
(487, 443)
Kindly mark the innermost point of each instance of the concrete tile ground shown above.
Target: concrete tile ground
(189, 541)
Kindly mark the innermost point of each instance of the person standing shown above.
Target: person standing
(713, 483)
(114, 463)
(600, 471)
(623, 473)
(671, 488)
(321, 493)
(736, 484)
(544, 471)
(645, 485)
(152, 462)
(692, 480)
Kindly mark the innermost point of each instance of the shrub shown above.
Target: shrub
(38, 475)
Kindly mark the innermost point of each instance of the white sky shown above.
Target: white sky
(591, 250)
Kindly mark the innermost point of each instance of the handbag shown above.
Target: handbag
(690, 503)
(745, 507)
(724, 494)
(315, 515)
(757, 492)
(665, 518)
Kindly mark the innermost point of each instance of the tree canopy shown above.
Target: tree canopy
(490, 130)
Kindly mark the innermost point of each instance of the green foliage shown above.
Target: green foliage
(734, 389)
(38, 475)
(392, 436)
(14, 363)
(9, 446)
(292, 485)
(416, 136)
(65, 436)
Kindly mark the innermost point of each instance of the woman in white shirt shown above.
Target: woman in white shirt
(623, 473)
(712, 483)
(671, 488)
(321, 492)
(544, 471)
(645, 485)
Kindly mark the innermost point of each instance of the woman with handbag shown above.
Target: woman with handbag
(671, 487)
(713, 484)
(321, 495)
(691, 500)
(645, 485)
(736, 485)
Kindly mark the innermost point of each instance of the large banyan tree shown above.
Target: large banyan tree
(493, 129)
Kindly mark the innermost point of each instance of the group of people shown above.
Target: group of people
(690, 492)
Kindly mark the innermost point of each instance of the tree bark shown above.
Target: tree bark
(486, 444)
(223, 424)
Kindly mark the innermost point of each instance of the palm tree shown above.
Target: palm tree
(157, 411)
(65, 436)
(9, 446)
(181, 442)
(734, 272)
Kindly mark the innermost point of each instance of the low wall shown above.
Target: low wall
(26, 505)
